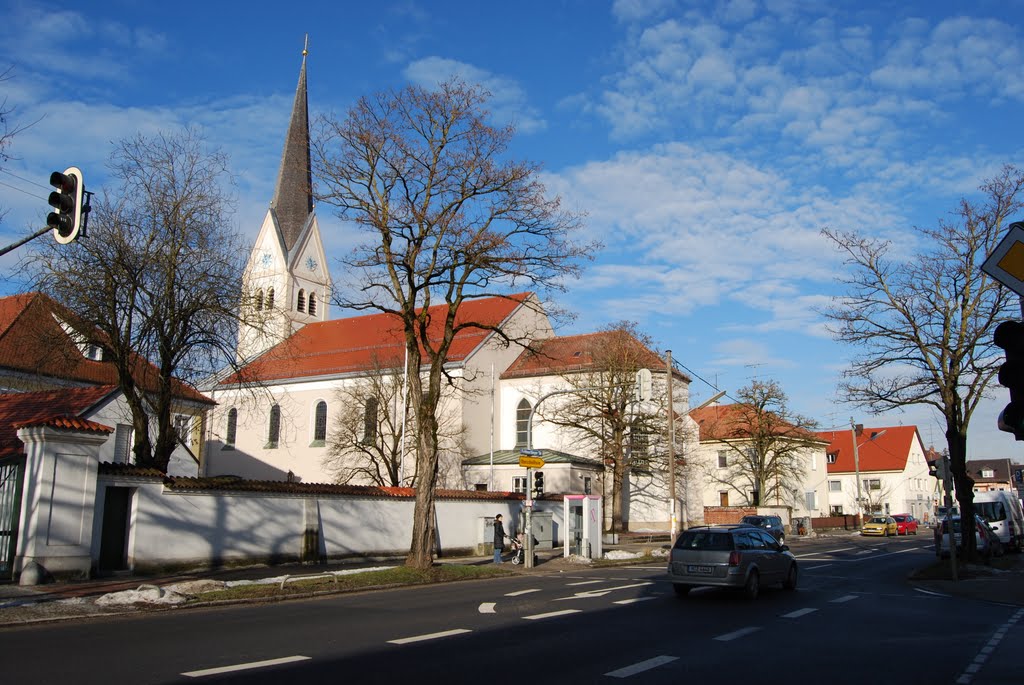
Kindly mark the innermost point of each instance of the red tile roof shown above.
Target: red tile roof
(362, 343)
(878, 449)
(732, 422)
(578, 353)
(32, 342)
(55, 408)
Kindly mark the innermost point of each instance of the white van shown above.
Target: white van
(1003, 511)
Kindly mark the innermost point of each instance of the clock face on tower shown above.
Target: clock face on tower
(311, 264)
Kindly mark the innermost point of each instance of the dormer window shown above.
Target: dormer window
(988, 473)
(831, 457)
(90, 350)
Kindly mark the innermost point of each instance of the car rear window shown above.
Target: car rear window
(753, 520)
(993, 511)
(706, 540)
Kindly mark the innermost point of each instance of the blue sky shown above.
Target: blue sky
(708, 142)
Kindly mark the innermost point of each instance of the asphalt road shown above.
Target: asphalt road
(853, 619)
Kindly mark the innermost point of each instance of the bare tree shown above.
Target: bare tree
(159, 275)
(366, 444)
(601, 410)
(448, 216)
(765, 444)
(924, 323)
(8, 129)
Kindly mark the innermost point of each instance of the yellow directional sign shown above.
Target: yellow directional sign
(531, 462)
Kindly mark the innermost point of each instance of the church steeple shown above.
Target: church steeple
(293, 195)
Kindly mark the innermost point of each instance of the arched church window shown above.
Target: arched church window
(320, 422)
(232, 430)
(274, 427)
(259, 299)
(312, 303)
(370, 421)
(301, 304)
(268, 304)
(523, 423)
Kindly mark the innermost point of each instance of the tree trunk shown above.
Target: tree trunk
(964, 484)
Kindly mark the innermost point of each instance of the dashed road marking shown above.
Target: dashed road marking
(584, 582)
(633, 600)
(844, 598)
(798, 613)
(737, 634)
(245, 667)
(487, 608)
(641, 666)
(552, 614)
(521, 592)
(429, 636)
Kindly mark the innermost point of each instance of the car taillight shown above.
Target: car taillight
(734, 558)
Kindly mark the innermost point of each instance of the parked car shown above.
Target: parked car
(880, 525)
(986, 540)
(773, 524)
(1003, 512)
(733, 556)
(906, 524)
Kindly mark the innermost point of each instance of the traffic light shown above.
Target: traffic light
(538, 483)
(1009, 335)
(937, 468)
(66, 219)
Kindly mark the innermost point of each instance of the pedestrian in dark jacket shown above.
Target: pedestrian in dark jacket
(499, 539)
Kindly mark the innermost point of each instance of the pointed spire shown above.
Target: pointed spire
(293, 195)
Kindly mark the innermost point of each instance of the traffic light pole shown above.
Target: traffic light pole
(14, 246)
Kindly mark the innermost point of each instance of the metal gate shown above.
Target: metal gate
(11, 477)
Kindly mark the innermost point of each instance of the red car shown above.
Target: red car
(905, 524)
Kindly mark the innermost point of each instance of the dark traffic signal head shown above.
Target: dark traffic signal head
(66, 200)
(1009, 335)
(538, 483)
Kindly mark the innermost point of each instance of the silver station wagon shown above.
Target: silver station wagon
(732, 556)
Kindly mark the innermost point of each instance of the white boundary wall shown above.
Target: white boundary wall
(169, 527)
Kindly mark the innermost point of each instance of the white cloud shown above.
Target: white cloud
(508, 103)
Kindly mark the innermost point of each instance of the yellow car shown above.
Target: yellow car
(880, 525)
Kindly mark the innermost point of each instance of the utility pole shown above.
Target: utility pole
(856, 468)
(671, 447)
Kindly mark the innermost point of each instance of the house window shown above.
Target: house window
(123, 443)
(831, 457)
(259, 300)
(872, 484)
(587, 485)
(835, 486)
(723, 498)
(811, 498)
(370, 421)
(312, 304)
(300, 305)
(320, 424)
(639, 444)
(519, 484)
(183, 429)
(835, 510)
(232, 429)
(988, 473)
(269, 303)
(723, 459)
(274, 427)
(523, 423)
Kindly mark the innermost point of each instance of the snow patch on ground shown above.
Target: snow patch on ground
(623, 554)
(144, 594)
(280, 579)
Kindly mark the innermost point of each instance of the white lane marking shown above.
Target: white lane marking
(634, 600)
(866, 551)
(798, 613)
(487, 608)
(641, 666)
(590, 594)
(844, 598)
(737, 633)
(521, 592)
(974, 667)
(841, 549)
(245, 667)
(430, 636)
(584, 582)
(932, 592)
(552, 614)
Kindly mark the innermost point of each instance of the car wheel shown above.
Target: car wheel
(752, 588)
(681, 590)
(790, 582)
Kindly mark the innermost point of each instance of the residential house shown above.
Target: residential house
(992, 474)
(720, 463)
(889, 463)
(45, 347)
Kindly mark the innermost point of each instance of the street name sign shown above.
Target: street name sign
(531, 453)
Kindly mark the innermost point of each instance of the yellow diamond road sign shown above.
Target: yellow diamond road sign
(1006, 263)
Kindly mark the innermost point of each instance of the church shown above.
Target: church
(321, 400)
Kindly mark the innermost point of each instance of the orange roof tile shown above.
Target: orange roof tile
(362, 343)
(878, 449)
(572, 353)
(55, 408)
(33, 343)
(732, 422)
